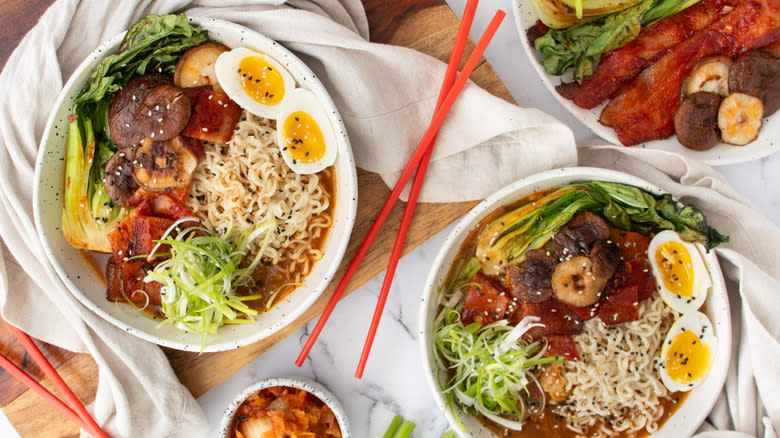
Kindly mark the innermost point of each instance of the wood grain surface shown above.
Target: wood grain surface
(428, 26)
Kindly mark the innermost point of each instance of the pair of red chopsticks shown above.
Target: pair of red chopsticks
(450, 89)
(76, 412)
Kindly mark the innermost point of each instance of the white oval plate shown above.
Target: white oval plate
(307, 385)
(721, 154)
(89, 287)
(696, 407)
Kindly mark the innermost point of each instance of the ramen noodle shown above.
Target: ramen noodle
(246, 182)
(617, 382)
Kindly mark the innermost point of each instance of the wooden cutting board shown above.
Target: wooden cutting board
(425, 25)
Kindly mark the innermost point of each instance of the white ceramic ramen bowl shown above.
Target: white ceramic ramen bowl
(89, 286)
(307, 385)
(696, 407)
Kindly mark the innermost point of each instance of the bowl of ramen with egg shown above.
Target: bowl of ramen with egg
(578, 302)
(195, 184)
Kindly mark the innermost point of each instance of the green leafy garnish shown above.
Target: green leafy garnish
(201, 275)
(506, 240)
(154, 44)
(483, 370)
(582, 45)
(486, 370)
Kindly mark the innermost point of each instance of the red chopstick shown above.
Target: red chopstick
(449, 79)
(424, 144)
(80, 416)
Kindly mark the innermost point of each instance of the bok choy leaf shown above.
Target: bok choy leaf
(154, 44)
(506, 239)
(582, 45)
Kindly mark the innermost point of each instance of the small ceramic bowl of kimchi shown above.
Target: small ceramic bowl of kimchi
(284, 406)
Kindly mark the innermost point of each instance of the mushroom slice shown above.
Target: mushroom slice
(696, 121)
(164, 165)
(196, 66)
(758, 74)
(531, 280)
(606, 258)
(118, 177)
(578, 235)
(164, 113)
(709, 74)
(575, 283)
(121, 113)
(739, 118)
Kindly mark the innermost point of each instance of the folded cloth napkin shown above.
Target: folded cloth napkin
(749, 404)
(386, 96)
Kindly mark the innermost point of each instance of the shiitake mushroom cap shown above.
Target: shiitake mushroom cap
(121, 113)
(164, 113)
(757, 73)
(696, 121)
(164, 165)
(118, 177)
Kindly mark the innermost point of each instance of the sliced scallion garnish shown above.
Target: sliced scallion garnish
(202, 274)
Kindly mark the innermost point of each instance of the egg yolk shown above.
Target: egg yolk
(303, 137)
(260, 80)
(687, 358)
(676, 268)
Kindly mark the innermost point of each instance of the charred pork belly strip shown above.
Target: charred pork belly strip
(645, 110)
(652, 42)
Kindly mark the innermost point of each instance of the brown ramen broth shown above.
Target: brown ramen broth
(551, 419)
(287, 274)
(551, 425)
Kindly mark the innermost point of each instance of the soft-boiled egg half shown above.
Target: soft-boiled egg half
(688, 352)
(681, 276)
(255, 81)
(305, 134)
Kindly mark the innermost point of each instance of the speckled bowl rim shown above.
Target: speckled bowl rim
(686, 420)
(80, 282)
(308, 385)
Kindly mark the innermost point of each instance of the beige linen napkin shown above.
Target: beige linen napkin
(386, 97)
(749, 404)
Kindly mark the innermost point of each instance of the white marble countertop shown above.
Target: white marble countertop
(393, 382)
